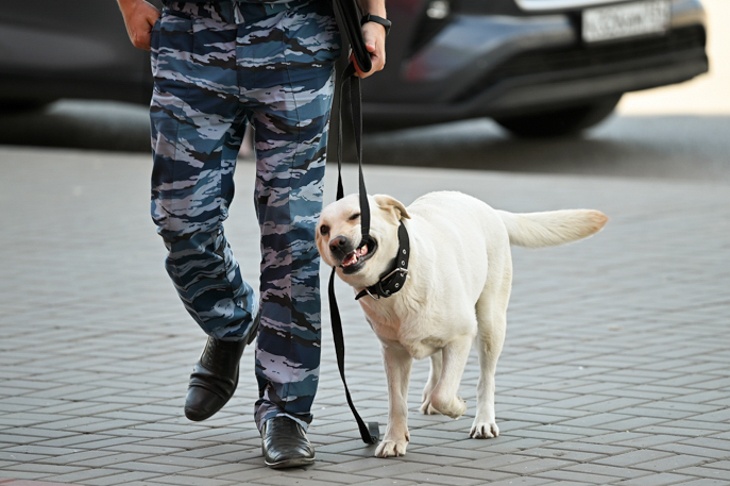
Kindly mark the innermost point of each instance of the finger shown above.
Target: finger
(358, 72)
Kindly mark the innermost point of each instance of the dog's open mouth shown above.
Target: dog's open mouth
(355, 260)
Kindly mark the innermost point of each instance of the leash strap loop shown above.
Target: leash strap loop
(351, 92)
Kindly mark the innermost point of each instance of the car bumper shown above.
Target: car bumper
(496, 66)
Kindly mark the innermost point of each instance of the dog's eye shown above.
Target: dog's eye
(324, 230)
(354, 217)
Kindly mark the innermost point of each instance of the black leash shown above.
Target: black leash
(350, 89)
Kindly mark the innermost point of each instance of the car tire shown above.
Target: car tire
(560, 122)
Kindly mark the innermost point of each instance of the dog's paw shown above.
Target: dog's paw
(484, 430)
(427, 409)
(454, 409)
(391, 448)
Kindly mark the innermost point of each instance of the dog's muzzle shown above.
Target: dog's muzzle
(351, 258)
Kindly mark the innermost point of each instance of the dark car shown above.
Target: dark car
(537, 67)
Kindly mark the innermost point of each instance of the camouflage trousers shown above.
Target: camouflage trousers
(219, 66)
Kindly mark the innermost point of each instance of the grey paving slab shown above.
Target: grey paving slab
(616, 368)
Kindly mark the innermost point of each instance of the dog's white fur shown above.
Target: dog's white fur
(458, 288)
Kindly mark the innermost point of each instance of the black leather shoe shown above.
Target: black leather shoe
(214, 377)
(285, 444)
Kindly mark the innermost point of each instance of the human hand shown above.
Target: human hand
(374, 36)
(139, 18)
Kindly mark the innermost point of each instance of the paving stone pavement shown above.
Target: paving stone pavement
(616, 368)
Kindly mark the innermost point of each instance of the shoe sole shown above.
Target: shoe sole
(289, 463)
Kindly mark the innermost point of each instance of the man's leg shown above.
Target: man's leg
(197, 128)
(293, 65)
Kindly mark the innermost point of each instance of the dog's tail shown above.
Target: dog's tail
(552, 228)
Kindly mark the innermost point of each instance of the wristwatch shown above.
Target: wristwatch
(378, 20)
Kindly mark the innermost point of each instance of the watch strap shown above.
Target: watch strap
(378, 20)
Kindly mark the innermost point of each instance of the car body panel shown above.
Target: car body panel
(495, 65)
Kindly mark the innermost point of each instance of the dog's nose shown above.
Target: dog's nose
(337, 244)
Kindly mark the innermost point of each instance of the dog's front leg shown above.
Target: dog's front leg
(433, 378)
(397, 370)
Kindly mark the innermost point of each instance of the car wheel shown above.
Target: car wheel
(566, 121)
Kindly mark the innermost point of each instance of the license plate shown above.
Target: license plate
(626, 20)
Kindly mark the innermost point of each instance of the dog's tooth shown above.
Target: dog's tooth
(350, 259)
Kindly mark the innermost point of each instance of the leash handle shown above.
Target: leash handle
(352, 91)
(348, 15)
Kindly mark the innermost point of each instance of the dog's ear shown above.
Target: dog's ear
(389, 203)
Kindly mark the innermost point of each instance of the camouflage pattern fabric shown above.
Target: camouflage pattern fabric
(217, 67)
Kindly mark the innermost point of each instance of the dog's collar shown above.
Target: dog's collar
(395, 277)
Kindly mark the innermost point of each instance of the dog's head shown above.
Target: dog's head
(360, 262)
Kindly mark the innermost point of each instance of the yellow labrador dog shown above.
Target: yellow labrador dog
(456, 288)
